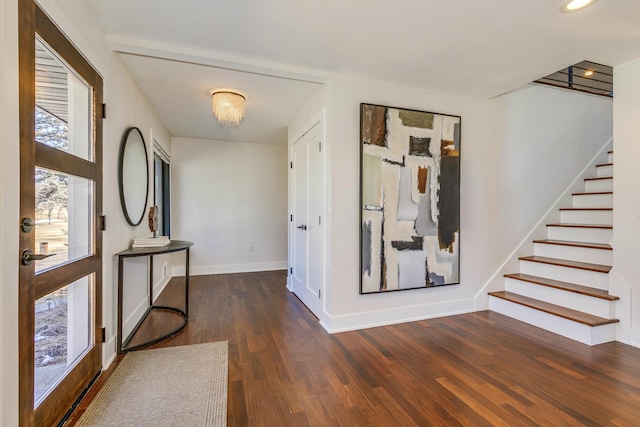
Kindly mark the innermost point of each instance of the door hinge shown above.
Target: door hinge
(319, 146)
(104, 111)
(291, 270)
(103, 335)
(319, 293)
(291, 218)
(291, 165)
(320, 220)
(103, 222)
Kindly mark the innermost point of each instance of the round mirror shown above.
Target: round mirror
(133, 176)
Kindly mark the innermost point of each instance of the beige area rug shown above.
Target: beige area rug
(174, 386)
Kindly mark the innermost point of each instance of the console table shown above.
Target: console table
(174, 246)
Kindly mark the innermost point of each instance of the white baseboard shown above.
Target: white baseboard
(159, 287)
(372, 319)
(130, 322)
(201, 270)
(623, 308)
(109, 352)
(635, 337)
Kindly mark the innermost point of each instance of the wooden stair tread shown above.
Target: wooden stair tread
(604, 164)
(565, 286)
(598, 178)
(556, 310)
(598, 268)
(603, 246)
(594, 193)
(569, 225)
(586, 209)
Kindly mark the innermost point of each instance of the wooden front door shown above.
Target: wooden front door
(60, 204)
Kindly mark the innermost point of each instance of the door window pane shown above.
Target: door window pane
(64, 113)
(63, 216)
(63, 333)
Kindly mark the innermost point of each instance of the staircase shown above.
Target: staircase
(563, 287)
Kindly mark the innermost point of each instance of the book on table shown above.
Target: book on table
(151, 242)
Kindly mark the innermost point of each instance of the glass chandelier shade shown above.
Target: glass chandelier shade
(228, 106)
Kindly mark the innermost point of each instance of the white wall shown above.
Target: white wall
(348, 309)
(308, 112)
(9, 163)
(514, 166)
(625, 275)
(225, 197)
(127, 106)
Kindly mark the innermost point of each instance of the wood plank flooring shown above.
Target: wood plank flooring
(479, 369)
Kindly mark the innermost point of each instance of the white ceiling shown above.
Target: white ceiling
(180, 94)
(476, 48)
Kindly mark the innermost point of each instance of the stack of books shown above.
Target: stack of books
(151, 242)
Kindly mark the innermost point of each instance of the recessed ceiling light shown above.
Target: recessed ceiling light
(575, 5)
(588, 73)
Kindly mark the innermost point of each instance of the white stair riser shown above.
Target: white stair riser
(593, 201)
(598, 185)
(576, 234)
(567, 328)
(610, 157)
(603, 171)
(586, 217)
(573, 253)
(565, 274)
(586, 304)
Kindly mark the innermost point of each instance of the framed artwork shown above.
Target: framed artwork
(409, 199)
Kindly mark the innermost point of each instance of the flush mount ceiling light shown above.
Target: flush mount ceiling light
(588, 73)
(575, 5)
(228, 105)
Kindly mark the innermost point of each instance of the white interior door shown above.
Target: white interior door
(299, 275)
(307, 254)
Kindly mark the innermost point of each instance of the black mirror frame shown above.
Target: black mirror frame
(123, 145)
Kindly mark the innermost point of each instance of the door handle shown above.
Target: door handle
(27, 256)
(302, 227)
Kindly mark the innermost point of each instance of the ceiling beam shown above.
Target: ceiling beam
(154, 49)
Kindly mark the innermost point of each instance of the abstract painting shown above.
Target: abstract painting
(409, 199)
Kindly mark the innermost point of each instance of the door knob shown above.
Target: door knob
(302, 227)
(27, 256)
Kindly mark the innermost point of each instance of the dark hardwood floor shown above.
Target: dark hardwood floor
(479, 369)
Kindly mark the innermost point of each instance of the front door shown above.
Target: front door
(60, 203)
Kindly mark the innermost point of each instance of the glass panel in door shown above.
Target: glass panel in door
(63, 333)
(64, 209)
(63, 105)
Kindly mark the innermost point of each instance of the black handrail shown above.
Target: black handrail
(598, 82)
